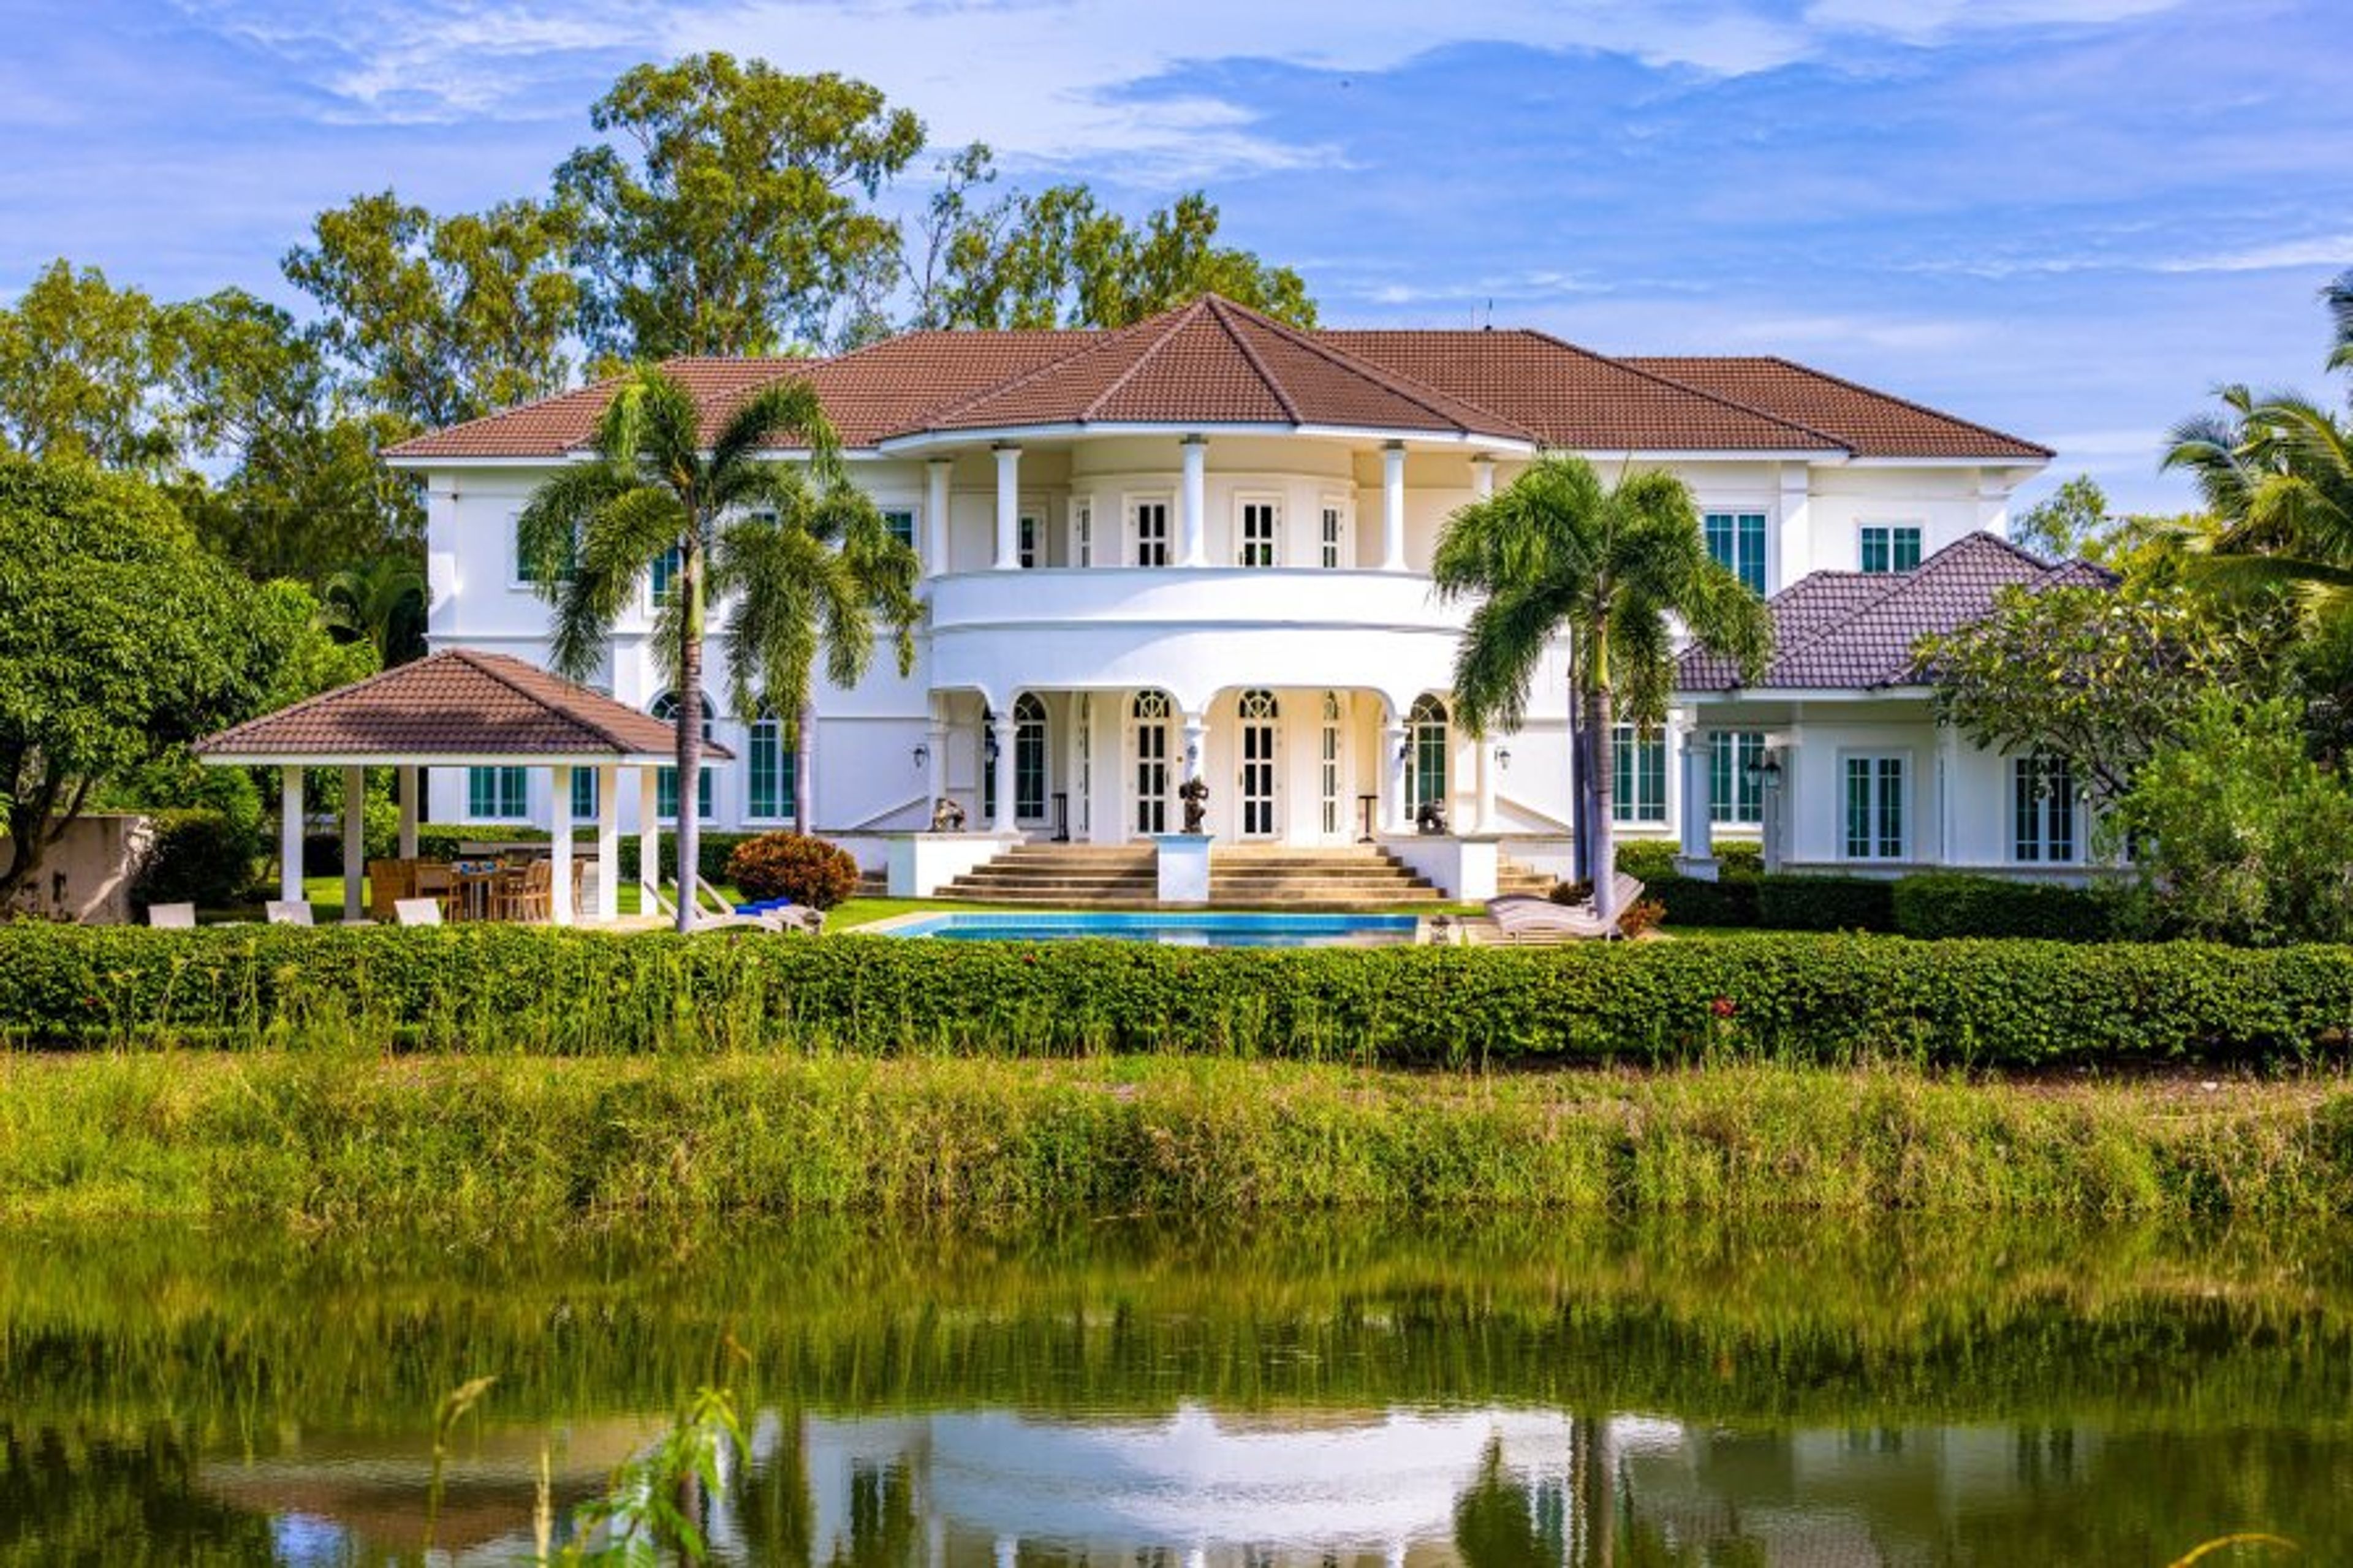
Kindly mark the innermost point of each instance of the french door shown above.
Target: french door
(1151, 739)
(1259, 714)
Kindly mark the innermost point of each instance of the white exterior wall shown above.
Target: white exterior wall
(1202, 635)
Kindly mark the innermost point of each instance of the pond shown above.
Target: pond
(1250, 1393)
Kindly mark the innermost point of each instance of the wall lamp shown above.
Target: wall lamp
(1767, 772)
(922, 755)
(1504, 758)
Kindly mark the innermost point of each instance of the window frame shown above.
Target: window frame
(1732, 800)
(787, 770)
(1166, 505)
(501, 775)
(1877, 761)
(516, 577)
(2060, 800)
(1891, 528)
(1625, 739)
(1742, 538)
(1245, 504)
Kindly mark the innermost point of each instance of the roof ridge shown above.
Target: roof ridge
(1419, 393)
(1096, 338)
(482, 662)
(1906, 402)
(1652, 376)
(1282, 397)
(1170, 322)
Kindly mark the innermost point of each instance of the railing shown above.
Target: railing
(1193, 596)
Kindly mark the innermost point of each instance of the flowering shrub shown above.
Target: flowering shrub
(793, 865)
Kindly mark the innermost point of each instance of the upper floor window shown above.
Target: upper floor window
(1261, 520)
(1151, 519)
(1330, 537)
(528, 572)
(1082, 533)
(901, 523)
(1638, 776)
(2042, 809)
(665, 576)
(499, 794)
(1736, 540)
(1028, 531)
(1874, 808)
(1889, 547)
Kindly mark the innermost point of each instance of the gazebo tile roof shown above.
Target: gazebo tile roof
(459, 703)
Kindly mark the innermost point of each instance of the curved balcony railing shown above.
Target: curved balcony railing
(1239, 596)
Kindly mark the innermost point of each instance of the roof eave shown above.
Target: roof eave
(924, 440)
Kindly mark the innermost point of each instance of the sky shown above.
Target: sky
(2070, 219)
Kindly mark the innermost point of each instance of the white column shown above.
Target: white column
(1009, 508)
(1993, 502)
(1193, 504)
(1482, 477)
(1698, 857)
(1485, 820)
(649, 841)
(406, 782)
(354, 840)
(935, 515)
(1005, 730)
(1400, 811)
(935, 762)
(1794, 556)
(609, 843)
(289, 835)
(559, 832)
(1393, 507)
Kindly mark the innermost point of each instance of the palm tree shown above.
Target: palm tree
(1611, 567)
(2276, 476)
(380, 601)
(654, 492)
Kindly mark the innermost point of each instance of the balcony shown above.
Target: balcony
(1193, 631)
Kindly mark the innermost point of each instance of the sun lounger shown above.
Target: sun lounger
(279, 912)
(172, 917)
(418, 911)
(1525, 918)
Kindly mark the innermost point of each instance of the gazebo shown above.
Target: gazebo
(463, 709)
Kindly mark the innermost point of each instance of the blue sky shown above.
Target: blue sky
(2068, 218)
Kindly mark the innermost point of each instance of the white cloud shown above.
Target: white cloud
(2324, 251)
(1931, 21)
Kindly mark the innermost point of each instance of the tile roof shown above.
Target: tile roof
(1867, 423)
(1213, 361)
(1857, 629)
(457, 702)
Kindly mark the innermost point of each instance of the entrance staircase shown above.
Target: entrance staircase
(1114, 876)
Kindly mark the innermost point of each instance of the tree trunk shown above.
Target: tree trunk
(688, 836)
(1601, 738)
(803, 770)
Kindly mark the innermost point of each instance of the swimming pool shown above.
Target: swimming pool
(1176, 928)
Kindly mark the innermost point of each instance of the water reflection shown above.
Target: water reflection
(1308, 1395)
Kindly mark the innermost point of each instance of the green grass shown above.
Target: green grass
(334, 1133)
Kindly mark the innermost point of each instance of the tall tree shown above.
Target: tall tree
(1610, 568)
(2277, 473)
(2065, 523)
(657, 490)
(735, 209)
(439, 319)
(79, 361)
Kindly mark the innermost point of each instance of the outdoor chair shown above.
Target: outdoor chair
(172, 917)
(525, 895)
(418, 911)
(281, 913)
(1524, 918)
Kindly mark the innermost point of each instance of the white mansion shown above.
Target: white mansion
(1200, 544)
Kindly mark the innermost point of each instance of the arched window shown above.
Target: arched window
(1029, 758)
(1258, 713)
(770, 771)
(1425, 727)
(665, 707)
(1328, 763)
(1151, 713)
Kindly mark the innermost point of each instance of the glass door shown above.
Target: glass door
(1259, 714)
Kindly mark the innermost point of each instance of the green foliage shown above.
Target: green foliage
(794, 866)
(1825, 903)
(724, 218)
(2243, 838)
(380, 602)
(1688, 901)
(439, 319)
(2102, 677)
(1953, 904)
(78, 360)
(1652, 860)
(118, 640)
(198, 857)
(1804, 997)
(2065, 524)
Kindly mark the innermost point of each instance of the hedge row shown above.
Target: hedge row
(1801, 997)
(1930, 905)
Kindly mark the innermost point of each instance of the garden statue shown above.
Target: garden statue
(947, 816)
(1194, 793)
(1431, 819)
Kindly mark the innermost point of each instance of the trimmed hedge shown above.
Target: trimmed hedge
(1952, 903)
(1825, 903)
(1810, 998)
(1692, 902)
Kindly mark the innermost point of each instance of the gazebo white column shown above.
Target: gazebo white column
(1009, 507)
(1393, 754)
(935, 515)
(354, 840)
(1004, 732)
(1482, 477)
(1192, 503)
(1698, 857)
(649, 841)
(407, 782)
(609, 843)
(1393, 507)
(289, 835)
(559, 881)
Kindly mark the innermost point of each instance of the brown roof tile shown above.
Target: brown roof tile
(459, 703)
(1869, 424)
(1857, 629)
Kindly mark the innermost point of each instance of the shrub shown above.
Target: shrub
(793, 865)
(1952, 903)
(198, 857)
(1654, 860)
(1640, 916)
(1688, 902)
(1825, 903)
(1814, 998)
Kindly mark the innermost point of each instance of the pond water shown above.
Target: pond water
(1247, 1394)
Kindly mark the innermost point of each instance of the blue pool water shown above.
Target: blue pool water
(1176, 928)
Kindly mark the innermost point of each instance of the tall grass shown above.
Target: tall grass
(343, 1135)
